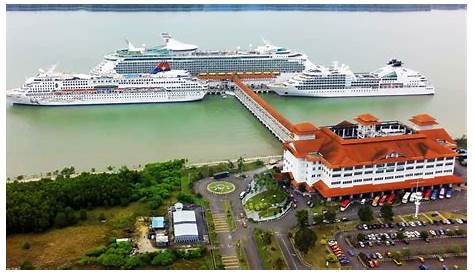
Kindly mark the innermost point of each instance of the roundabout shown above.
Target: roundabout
(221, 187)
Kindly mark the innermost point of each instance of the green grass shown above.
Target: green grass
(229, 216)
(242, 256)
(251, 165)
(221, 187)
(271, 255)
(269, 212)
(264, 200)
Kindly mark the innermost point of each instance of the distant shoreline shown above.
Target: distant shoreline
(233, 7)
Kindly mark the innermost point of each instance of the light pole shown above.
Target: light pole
(417, 201)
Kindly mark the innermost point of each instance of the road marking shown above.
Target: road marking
(403, 220)
(426, 216)
(439, 214)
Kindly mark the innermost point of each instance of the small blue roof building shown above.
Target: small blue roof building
(157, 222)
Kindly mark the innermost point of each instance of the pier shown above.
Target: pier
(263, 111)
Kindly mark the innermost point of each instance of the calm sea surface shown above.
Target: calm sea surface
(41, 139)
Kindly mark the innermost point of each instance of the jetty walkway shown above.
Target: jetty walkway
(278, 125)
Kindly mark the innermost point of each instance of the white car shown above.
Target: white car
(362, 202)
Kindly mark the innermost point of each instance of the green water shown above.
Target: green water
(48, 138)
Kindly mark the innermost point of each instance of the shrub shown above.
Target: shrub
(163, 258)
(133, 262)
(27, 265)
(305, 239)
(96, 251)
(83, 215)
(26, 245)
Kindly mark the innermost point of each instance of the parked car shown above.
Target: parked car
(375, 202)
(350, 252)
(434, 194)
(362, 202)
(405, 197)
(449, 193)
(345, 204)
(442, 192)
(382, 200)
(423, 267)
(391, 198)
(440, 258)
(427, 194)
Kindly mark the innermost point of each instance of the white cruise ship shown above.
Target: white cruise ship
(59, 89)
(340, 81)
(189, 57)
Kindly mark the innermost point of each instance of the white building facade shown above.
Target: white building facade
(373, 157)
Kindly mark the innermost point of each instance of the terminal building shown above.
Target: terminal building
(369, 156)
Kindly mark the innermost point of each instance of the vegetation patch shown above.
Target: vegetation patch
(221, 187)
(269, 250)
(229, 215)
(318, 254)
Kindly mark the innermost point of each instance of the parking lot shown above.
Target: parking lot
(432, 264)
(382, 240)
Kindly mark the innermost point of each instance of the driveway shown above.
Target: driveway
(280, 227)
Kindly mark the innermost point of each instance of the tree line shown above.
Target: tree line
(38, 205)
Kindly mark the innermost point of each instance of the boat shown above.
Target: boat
(339, 81)
(179, 55)
(50, 88)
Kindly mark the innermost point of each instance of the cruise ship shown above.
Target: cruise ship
(188, 57)
(340, 81)
(59, 89)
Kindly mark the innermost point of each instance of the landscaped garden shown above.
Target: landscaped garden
(221, 187)
(270, 199)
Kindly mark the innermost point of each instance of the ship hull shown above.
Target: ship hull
(102, 100)
(328, 93)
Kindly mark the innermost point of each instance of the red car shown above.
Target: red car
(390, 199)
(382, 200)
(345, 204)
(427, 194)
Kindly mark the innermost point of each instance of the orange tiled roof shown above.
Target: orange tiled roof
(367, 119)
(423, 120)
(440, 135)
(304, 128)
(326, 191)
(335, 151)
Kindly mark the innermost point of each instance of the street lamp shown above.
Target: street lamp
(417, 201)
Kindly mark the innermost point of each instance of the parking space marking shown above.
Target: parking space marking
(401, 217)
(426, 216)
(439, 214)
